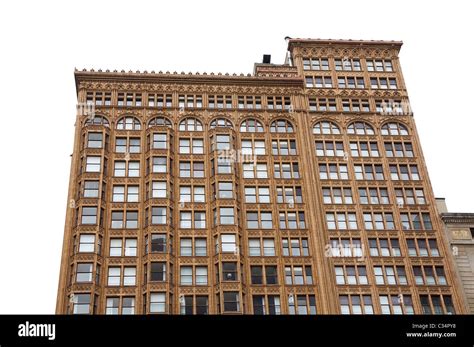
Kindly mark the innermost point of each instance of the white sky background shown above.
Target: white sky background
(42, 41)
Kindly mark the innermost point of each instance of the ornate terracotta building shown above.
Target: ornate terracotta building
(299, 189)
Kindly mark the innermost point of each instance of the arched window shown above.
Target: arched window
(221, 123)
(159, 121)
(326, 128)
(251, 126)
(129, 123)
(360, 128)
(97, 120)
(394, 129)
(190, 124)
(281, 126)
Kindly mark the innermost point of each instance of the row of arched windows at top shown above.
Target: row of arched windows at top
(254, 125)
(359, 128)
(193, 124)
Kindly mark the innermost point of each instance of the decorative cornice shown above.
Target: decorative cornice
(458, 218)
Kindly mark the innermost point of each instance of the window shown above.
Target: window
(379, 65)
(122, 147)
(383, 83)
(84, 272)
(416, 221)
(355, 105)
(429, 275)
(292, 220)
(341, 220)
(89, 215)
(266, 304)
(351, 275)
(91, 189)
(121, 166)
(384, 247)
(286, 170)
(295, 247)
(93, 164)
(160, 121)
(257, 194)
(322, 105)
(255, 247)
(128, 123)
(422, 248)
(255, 171)
(390, 275)
(159, 189)
(186, 247)
(86, 243)
(226, 216)
(130, 247)
(159, 141)
(225, 190)
(249, 102)
(159, 165)
(186, 275)
(333, 171)
(81, 303)
(112, 306)
(368, 172)
(302, 304)
(360, 128)
(278, 102)
(227, 244)
(253, 147)
(289, 195)
(356, 304)
(264, 222)
(251, 126)
(194, 305)
(350, 82)
(364, 149)
(347, 64)
(399, 149)
(336, 195)
(97, 120)
(315, 64)
(329, 149)
(158, 243)
(298, 275)
(231, 302)
(113, 276)
(394, 129)
(326, 128)
(318, 81)
(378, 221)
(157, 303)
(373, 196)
(437, 304)
(410, 196)
(186, 221)
(229, 271)
(94, 140)
(404, 172)
(220, 142)
(194, 146)
(158, 215)
(396, 304)
(284, 147)
(346, 247)
(221, 123)
(129, 276)
(190, 124)
(281, 126)
(158, 272)
(257, 275)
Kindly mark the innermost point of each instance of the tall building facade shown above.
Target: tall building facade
(459, 228)
(299, 189)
